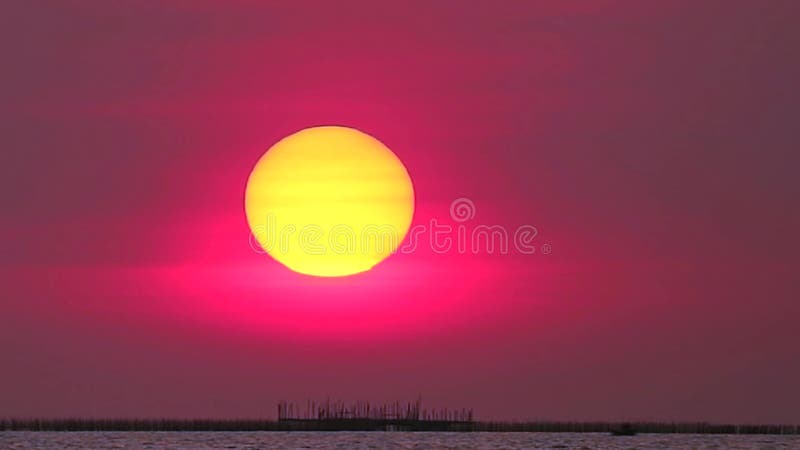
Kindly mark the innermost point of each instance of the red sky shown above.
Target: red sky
(652, 145)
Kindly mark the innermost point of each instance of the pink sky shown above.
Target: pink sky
(653, 146)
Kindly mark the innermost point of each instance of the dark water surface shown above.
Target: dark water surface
(379, 440)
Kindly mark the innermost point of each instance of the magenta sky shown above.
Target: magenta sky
(654, 145)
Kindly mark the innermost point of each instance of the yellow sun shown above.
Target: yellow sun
(329, 201)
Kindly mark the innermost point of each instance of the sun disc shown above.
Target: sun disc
(329, 201)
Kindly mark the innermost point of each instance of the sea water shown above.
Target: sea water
(381, 440)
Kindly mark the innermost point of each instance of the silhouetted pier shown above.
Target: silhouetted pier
(364, 416)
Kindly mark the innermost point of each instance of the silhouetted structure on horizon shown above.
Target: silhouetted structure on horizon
(338, 410)
(409, 416)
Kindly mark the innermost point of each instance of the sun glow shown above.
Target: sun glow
(329, 201)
